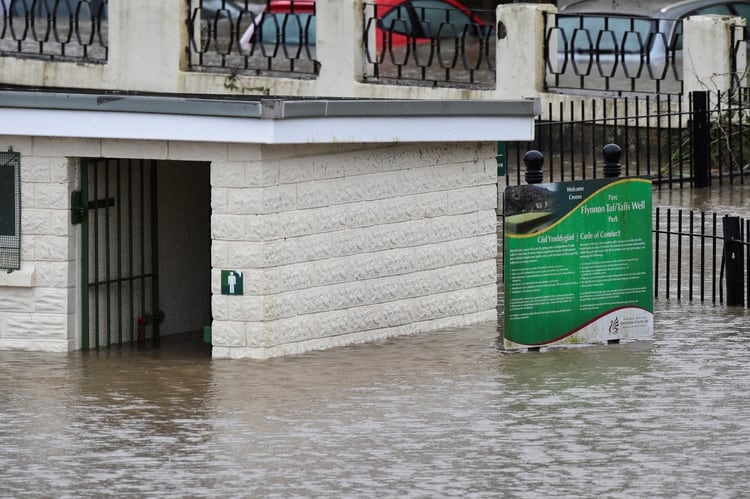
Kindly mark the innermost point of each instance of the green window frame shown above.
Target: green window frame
(10, 210)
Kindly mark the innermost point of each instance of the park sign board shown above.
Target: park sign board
(578, 262)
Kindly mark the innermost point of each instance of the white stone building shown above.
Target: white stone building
(155, 198)
(156, 178)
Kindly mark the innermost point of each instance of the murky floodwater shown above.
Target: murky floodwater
(436, 415)
(446, 414)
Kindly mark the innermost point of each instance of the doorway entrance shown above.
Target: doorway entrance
(144, 249)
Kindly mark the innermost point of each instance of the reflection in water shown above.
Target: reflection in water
(723, 199)
(444, 414)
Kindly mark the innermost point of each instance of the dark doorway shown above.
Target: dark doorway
(145, 250)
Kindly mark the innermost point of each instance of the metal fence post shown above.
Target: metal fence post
(701, 139)
(733, 256)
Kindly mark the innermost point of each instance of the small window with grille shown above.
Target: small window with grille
(10, 210)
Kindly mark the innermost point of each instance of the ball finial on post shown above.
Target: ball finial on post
(612, 154)
(534, 160)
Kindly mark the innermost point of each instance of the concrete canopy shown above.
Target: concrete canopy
(263, 120)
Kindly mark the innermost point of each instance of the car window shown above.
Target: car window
(293, 27)
(605, 33)
(579, 32)
(676, 42)
(434, 13)
(398, 20)
(742, 9)
(632, 34)
(61, 8)
(716, 9)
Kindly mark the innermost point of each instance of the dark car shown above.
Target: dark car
(625, 46)
(653, 27)
(55, 8)
(210, 9)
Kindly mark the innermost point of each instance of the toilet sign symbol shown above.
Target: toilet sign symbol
(231, 282)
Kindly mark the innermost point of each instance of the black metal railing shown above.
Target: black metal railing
(433, 46)
(613, 54)
(696, 258)
(245, 37)
(59, 30)
(657, 133)
(724, 142)
(570, 137)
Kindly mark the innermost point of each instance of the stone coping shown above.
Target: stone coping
(266, 108)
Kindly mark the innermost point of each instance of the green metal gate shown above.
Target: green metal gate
(116, 207)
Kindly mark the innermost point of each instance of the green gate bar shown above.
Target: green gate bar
(96, 256)
(80, 213)
(107, 253)
(156, 315)
(109, 248)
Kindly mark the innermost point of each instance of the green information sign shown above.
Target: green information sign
(578, 262)
(231, 282)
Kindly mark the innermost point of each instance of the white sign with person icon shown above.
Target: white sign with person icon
(231, 282)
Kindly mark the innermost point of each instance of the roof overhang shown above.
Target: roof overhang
(263, 121)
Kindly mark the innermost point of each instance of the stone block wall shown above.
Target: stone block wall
(37, 302)
(347, 243)
(338, 243)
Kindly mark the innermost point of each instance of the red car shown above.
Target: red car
(400, 21)
(397, 22)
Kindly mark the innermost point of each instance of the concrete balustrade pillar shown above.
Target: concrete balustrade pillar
(149, 56)
(341, 64)
(707, 52)
(520, 50)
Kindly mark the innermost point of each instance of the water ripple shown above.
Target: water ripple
(437, 415)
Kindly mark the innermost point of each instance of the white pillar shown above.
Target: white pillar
(147, 41)
(339, 46)
(707, 52)
(520, 50)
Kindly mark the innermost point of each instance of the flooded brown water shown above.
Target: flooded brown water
(437, 415)
(446, 414)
